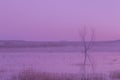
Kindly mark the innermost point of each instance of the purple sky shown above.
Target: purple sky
(58, 19)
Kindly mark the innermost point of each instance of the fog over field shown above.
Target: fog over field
(59, 39)
(56, 57)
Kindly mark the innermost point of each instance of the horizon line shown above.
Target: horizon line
(57, 40)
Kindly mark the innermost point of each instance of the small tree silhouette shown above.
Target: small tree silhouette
(86, 43)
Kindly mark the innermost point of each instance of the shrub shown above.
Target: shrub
(115, 75)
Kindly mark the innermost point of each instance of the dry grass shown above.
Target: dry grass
(32, 75)
(115, 75)
(93, 77)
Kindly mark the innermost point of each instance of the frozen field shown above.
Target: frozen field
(56, 62)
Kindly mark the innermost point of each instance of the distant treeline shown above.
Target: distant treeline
(15, 44)
(20, 44)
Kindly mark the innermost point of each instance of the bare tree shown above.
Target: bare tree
(86, 43)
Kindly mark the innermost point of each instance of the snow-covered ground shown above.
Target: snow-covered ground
(56, 62)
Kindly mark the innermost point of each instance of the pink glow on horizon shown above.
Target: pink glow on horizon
(58, 19)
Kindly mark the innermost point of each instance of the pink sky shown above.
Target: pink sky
(58, 19)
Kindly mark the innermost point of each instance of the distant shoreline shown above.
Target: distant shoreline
(29, 44)
(64, 46)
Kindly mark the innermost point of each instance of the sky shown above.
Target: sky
(58, 20)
